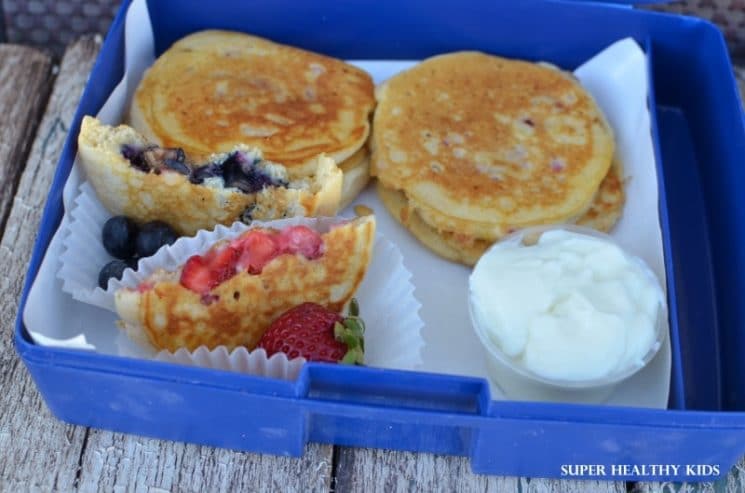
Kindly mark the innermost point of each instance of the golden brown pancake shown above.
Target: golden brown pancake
(214, 89)
(487, 141)
(169, 316)
(602, 215)
(171, 197)
(607, 205)
(445, 244)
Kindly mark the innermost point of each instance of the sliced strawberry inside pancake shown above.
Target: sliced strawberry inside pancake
(250, 252)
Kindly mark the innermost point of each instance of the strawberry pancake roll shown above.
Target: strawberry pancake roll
(231, 294)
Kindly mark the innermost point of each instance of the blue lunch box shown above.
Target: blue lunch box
(699, 138)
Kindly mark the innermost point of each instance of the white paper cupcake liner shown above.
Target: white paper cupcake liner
(83, 254)
(386, 295)
(239, 360)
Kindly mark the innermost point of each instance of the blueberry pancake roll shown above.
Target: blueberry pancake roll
(230, 293)
(146, 182)
(213, 89)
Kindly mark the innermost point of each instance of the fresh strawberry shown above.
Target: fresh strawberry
(222, 263)
(300, 239)
(196, 275)
(202, 273)
(250, 252)
(316, 334)
(258, 248)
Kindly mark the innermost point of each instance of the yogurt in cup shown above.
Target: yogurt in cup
(564, 314)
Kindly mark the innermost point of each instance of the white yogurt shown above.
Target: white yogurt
(571, 307)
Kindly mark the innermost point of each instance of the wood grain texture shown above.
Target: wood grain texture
(39, 453)
(733, 482)
(24, 87)
(118, 462)
(668, 487)
(380, 471)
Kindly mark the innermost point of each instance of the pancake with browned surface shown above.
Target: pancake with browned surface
(146, 182)
(607, 205)
(165, 314)
(488, 141)
(603, 213)
(214, 89)
(445, 244)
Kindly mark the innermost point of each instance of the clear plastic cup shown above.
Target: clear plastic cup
(520, 383)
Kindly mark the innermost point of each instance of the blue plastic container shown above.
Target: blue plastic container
(700, 138)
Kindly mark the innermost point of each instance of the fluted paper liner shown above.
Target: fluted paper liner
(239, 360)
(83, 253)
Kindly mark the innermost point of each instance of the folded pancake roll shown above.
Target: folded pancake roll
(145, 182)
(229, 294)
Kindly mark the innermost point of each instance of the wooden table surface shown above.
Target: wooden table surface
(40, 453)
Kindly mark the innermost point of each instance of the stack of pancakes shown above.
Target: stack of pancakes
(468, 147)
(215, 89)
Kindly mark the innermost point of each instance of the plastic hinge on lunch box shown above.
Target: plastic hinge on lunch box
(700, 142)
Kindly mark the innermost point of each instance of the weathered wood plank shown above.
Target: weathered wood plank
(732, 482)
(24, 87)
(373, 471)
(571, 486)
(117, 462)
(39, 453)
(667, 487)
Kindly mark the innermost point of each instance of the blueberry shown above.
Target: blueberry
(118, 237)
(135, 156)
(115, 269)
(176, 165)
(152, 236)
(242, 174)
(131, 152)
(201, 173)
(178, 154)
(238, 170)
(154, 158)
